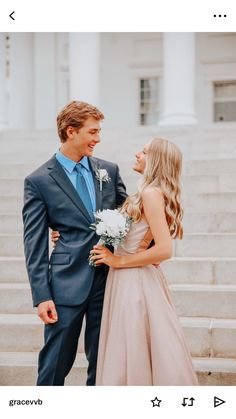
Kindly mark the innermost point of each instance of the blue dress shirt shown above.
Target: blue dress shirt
(69, 167)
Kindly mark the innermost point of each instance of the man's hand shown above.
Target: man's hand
(54, 237)
(47, 312)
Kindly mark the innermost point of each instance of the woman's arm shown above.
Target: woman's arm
(154, 211)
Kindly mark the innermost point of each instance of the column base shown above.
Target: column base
(178, 119)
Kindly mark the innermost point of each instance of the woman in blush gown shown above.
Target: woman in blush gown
(141, 339)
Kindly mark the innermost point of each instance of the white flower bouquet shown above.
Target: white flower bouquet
(112, 226)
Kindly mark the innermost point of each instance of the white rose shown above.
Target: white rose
(100, 228)
(103, 174)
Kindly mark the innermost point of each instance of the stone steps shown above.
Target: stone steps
(18, 170)
(198, 300)
(215, 372)
(16, 299)
(210, 167)
(201, 275)
(23, 150)
(205, 337)
(215, 338)
(12, 269)
(193, 270)
(206, 245)
(222, 148)
(24, 333)
(10, 204)
(219, 222)
(195, 203)
(191, 184)
(218, 143)
(178, 270)
(192, 223)
(196, 244)
(9, 187)
(209, 184)
(207, 149)
(11, 223)
(210, 202)
(11, 244)
(212, 301)
(207, 167)
(20, 369)
(207, 203)
(202, 167)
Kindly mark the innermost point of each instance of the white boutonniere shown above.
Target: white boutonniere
(102, 176)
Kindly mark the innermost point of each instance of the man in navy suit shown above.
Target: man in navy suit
(62, 195)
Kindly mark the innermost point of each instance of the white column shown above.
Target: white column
(179, 79)
(20, 81)
(44, 81)
(2, 83)
(84, 64)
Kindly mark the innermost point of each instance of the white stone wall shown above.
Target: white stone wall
(125, 57)
(216, 61)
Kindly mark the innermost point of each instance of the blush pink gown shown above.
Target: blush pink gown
(141, 339)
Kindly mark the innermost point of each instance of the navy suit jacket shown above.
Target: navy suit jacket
(50, 200)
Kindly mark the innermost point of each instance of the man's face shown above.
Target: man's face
(140, 163)
(85, 139)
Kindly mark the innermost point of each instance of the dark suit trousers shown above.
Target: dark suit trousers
(61, 339)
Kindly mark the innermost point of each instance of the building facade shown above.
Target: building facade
(138, 79)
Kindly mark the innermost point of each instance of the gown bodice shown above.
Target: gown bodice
(138, 238)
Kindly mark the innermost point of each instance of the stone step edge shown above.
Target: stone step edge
(12, 258)
(210, 323)
(185, 176)
(174, 259)
(206, 214)
(230, 193)
(218, 212)
(173, 287)
(27, 359)
(30, 359)
(18, 213)
(203, 287)
(223, 365)
(178, 259)
(16, 235)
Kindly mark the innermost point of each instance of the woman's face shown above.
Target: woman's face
(140, 163)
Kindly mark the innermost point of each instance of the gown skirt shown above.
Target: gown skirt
(141, 338)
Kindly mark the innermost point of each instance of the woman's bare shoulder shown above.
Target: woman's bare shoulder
(151, 192)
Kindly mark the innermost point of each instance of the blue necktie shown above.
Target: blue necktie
(82, 190)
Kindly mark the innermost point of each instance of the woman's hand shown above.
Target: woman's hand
(101, 254)
(54, 237)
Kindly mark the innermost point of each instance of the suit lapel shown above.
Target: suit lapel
(94, 166)
(60, 177)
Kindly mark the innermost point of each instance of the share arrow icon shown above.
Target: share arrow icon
(218, 401)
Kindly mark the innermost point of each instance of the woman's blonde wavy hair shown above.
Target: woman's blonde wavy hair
(163, 171)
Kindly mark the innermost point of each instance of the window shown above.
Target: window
(148, 88)
(225, 101)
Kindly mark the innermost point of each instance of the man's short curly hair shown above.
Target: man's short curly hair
(75, 114)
